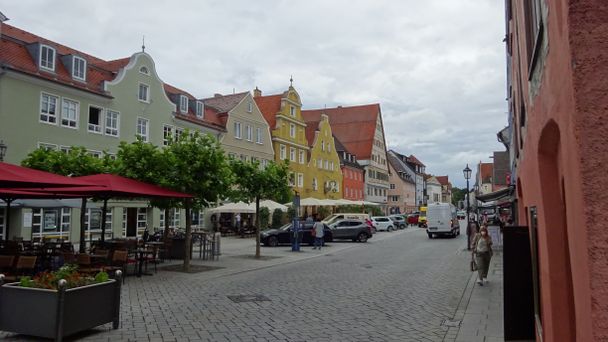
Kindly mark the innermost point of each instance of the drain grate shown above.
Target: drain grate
(248, 298)
(450, 323)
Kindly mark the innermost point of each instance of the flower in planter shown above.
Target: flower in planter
(69, 273)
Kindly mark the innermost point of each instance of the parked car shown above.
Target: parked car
(422, 217)
(356, 230)
(442, 220)
(413, 218)
(283, 235)
(344, 216)
(383, 223)
(398, 221)
(371, 225)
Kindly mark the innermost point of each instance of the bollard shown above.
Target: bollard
(116, 320)
(60, 307)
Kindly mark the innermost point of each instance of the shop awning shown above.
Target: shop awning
(496, 195)
(14, 176)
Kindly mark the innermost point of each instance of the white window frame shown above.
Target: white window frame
(183, 104)
(292, 130)
(97, 129)
(292, 111)
(138, 132)
(322, 145)
(47, 115)
(300, 180)
(47, 146)
(292, 154)
(249, 133)
(237, 130)
(179, 131)
(52, 61)
(328, 147)
(331, 166)
(76, 113)
(147, 92)
(292, 179)
(200, 108)
(65, 149)
(167, 134)
(95, 153)
(249, 107)
(75, 71)
(258, 136)
(315, 184)
(109, 130)
(282, 152)
(144, 70)
(326, 164)
(302, 157)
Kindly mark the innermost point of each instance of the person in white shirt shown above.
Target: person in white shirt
(318, 231)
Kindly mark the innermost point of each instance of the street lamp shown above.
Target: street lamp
(467, 176)
(2, 150)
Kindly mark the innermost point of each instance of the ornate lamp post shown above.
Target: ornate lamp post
(2, 150)
(467, 176)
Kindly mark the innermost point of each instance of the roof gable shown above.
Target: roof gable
(225, 103)
(269, 106)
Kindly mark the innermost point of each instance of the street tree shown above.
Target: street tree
(197, 165)
(76, 162)
(253, 183)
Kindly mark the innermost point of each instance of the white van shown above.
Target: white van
(344, 216)
(441, 220)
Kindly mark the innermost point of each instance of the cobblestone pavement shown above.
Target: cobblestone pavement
(399, 288)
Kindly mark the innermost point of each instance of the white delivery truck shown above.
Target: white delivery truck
(441, 219)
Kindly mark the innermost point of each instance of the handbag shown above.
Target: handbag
(473, 263)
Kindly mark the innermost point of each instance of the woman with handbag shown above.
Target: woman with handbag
(482, 250)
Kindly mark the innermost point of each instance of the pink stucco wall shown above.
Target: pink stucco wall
(561, 164)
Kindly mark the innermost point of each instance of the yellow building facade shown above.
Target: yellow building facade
(288, 131)
(324, 171)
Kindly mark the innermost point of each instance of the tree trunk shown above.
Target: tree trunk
(83, 211)
(104, 212)
(257, 227)
(188, 241)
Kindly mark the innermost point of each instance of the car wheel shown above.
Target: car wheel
(362, 237)
(430, 235)
(273, 241)
(390, 228)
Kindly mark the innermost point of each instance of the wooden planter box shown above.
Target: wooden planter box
(55, 314)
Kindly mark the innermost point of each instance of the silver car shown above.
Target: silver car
(398, 221)
(351, 229)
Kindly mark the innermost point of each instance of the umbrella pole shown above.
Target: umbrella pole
(104, 211)
(83, 209)
(7, 218)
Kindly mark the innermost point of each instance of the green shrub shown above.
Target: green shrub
(277, 218)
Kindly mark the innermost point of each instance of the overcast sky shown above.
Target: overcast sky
(437, 67)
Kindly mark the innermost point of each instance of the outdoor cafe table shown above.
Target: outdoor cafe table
(142, 252)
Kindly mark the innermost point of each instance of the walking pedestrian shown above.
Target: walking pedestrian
(318, 232)
(482, 251)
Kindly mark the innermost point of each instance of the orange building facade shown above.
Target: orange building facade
(557, 55)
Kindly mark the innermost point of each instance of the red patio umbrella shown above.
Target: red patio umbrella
(14, 176)
(113, 186)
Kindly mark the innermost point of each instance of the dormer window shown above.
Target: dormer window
(47, 58)
(144, 70)
(183, 104)
(79, 68)
(200, 107)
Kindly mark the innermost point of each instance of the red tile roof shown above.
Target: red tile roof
(14, 55)
(412, 159)
(225, 103)
(355, 126)
(311, 128)
(269, 106)
(211, 117)
(486, 170)
(115, 65)
(443, 180)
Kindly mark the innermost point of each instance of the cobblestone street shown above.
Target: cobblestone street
(399, 286)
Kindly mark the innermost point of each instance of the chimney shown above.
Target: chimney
(217, 95)
(257, 92)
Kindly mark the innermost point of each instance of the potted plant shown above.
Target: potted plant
(60, 303)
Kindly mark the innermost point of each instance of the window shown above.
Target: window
(47, 58)
(302, 158)
(47, 146)
(292, 111)
(69, 113)
(249, 132)
(174, 218)
(392, 186)
(315, 184)
(243, 157)
(331, 166)
(249, 107)
(48, 108)
(327, 165)
(321, 164)
(167, 134)
(144, 70)
(237, 130)
(300, 180)
(258, 135)
(112, 122)
(292, 130)
(292, 179)
(65, 149)
(183, 104)
(231, 156)
(144, 93)
(533, 24)
(178, 133)
(94, 154)
(51, 222)
(94, 124)
(283, 152)
(200, 107)
(322, 145)
(328, 147)
(79, 68)
(142, 129)
(292, 154)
